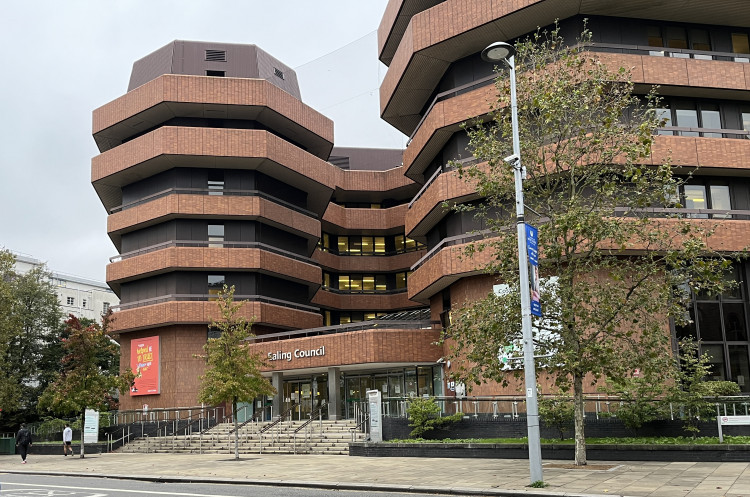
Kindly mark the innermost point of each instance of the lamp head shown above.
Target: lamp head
(498, 52)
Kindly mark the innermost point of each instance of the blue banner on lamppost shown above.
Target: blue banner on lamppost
(532, 248)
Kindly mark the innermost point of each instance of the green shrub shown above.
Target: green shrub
(424, 416)
(557, 412)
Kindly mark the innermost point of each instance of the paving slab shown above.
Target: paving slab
(499, 477)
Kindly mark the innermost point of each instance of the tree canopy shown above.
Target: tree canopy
(615, 250)
(31, 323)
(233, 373)
(88, 378)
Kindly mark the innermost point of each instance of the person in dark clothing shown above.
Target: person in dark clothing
(23, 442)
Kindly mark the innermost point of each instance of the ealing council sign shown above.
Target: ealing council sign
(297, 354)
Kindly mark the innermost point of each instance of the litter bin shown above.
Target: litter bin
(7, 445)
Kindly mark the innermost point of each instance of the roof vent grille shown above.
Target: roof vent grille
(278, 73)
(216, 55)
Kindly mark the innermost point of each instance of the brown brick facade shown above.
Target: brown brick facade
(366, 348)
(181, 313)
(211, 258)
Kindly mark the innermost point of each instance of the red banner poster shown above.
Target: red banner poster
(144, 361)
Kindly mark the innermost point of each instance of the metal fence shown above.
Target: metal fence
(596, 406)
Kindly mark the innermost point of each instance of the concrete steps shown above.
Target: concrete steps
(328, 437)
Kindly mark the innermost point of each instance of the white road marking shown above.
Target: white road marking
(149, 492)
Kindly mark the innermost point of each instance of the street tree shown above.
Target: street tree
(614, 247)
(36, 342)
(30, 326)
(10, 392)
(233, 372)
(89, 376)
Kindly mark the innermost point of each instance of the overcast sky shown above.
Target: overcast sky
(63, 59)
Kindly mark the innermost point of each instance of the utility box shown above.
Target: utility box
(7, 446)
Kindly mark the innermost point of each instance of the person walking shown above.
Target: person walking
(23, 442)
(67, 440)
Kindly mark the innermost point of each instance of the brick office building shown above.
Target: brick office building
(697, 53)
(214, 171)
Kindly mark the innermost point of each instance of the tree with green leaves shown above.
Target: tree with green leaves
(36, 346)
(233, 372)
(692, 391)
(89, 376)
(30, 328)
(10, 383)
(613, 252)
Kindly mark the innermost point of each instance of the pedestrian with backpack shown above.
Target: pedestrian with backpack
(23, 442)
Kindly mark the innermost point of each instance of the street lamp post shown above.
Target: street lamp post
(497, 53)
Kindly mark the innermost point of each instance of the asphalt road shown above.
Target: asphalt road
(15, 485)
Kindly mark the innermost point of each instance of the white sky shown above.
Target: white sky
(63, 59)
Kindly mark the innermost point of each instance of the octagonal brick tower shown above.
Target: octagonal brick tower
(213, 172)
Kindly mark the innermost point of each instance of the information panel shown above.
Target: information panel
(144, 361)
(91, 427)
(376, 424)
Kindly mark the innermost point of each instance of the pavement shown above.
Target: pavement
(491, 477)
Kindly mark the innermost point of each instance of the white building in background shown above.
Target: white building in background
(81, 297)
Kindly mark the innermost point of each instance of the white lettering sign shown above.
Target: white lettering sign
(280, 355)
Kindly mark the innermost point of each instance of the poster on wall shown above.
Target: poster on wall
(144, 361)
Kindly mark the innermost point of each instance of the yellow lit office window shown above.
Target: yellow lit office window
(326, 280)
(368, 283)
(379, 244)
(343, 245)
(399, 242)
(400, 280)
(370, 316)
(410, 244)
(326, 242)
(367, 245)
(345, 319)
(374, 206)
(344, 283)
(740, 43)
(355, 283)
(355, 245)
(380, 283)
(327, 318)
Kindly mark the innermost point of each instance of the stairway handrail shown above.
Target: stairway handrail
(256, 414)
(314, 414)
(278, 420)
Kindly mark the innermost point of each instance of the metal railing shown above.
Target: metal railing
(269, 428)
(191, 297)
(473, 85)
(449, 242)
(168, 422)
(442, 169)
(703, 132)
(211, 244)
(210, 192)
(380, 324)
(308, 424)
(680, 53)
(361, 418)
(598, 406)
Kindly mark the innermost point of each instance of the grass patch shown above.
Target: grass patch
(589, 441)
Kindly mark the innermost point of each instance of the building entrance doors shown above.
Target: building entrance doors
(306, 395)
